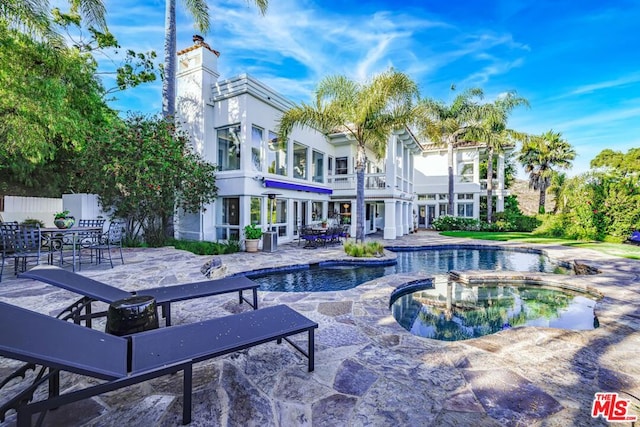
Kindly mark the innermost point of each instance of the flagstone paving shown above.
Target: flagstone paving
(369, 370)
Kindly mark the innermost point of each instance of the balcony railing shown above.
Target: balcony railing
(376, 181)
(483, 184)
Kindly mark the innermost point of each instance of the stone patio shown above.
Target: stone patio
(369, 370)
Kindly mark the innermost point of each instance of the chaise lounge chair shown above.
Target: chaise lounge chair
(634, 238)
(57, 345)
(93, 290)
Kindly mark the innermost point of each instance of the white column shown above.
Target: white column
(390, 167)
(399, 217)
(500, 176)
(389, 219)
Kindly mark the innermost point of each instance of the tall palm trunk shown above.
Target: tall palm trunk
(169, 85)
(450, 171)
(360, 162)
(490, 186)
(543, 199)
(169, 81)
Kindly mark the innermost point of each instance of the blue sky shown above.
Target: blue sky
(577, 63)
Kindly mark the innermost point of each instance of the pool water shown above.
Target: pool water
(426, 261)
(452, 311)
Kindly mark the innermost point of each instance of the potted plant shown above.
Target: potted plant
(252, 234)
(63, 219)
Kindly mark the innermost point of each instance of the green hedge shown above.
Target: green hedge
(207, 248)
(502, 223)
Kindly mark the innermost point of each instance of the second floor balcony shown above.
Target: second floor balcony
(377, 181)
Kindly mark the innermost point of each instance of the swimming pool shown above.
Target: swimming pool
(334, 276)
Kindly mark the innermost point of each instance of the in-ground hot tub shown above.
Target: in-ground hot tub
(448, 310)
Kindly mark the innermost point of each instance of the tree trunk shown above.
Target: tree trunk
(450, 170)
(490, 186)
(360, 161)
(543, 197)
(169, 81)
(169, 84)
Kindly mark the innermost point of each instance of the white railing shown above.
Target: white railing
(483, 184)
(374, 181)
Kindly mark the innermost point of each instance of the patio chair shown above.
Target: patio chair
(20, 243)
(93, 290)
(52, 345)
(90, 238)
(112, 239)
(310, 237)
(344, 232)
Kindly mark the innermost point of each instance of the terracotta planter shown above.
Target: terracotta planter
(251, 245)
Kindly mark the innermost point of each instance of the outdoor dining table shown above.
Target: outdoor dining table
(70, 236)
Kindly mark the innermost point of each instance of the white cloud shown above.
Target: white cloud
(608, 84)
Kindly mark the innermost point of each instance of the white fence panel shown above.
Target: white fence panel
(18, 208)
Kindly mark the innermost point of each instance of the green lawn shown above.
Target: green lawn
(617, 249)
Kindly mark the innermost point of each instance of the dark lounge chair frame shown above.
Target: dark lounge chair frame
(93, 290)
(57, 345)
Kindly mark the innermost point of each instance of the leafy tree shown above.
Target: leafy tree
(625, 164)
(447, 124)
(364, 112)
(584, 209)
(135, 69)
(140, 167)
(540, 156)
(199, 10)
(52, 101)
(50, 104)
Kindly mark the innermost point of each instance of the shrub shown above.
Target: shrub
(360, 250)
(447, 223)
(32, 222)
(207, 248)
(551, 225)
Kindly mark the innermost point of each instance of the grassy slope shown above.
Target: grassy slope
(617, 249)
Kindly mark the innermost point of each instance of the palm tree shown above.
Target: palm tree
(556, 188)
(446, 124)
(540, 155)
(199, 10)
(493, 132)
(34, 16)
(366, 112)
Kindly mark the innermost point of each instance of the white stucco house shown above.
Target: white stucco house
(284, 185)
(281, 185)
(431, 182)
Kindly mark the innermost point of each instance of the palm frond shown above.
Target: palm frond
(262, 5)
(93, 11)
(199, 10)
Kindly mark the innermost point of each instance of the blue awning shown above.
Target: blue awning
(298, 187)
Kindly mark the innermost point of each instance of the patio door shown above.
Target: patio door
(431, 214)
(299, 215)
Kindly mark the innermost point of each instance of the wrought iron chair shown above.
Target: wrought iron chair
(310, 237)
(90, 238)
(112, 239)
(20, 243)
